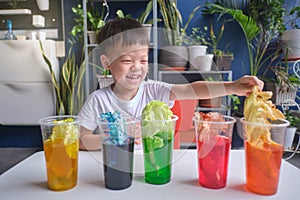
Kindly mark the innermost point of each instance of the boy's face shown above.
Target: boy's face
(129, 66)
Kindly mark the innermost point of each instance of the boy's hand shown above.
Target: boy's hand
(244, 85)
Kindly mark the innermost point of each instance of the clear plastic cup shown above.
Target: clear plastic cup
(213, 147)
(117, 139)
(263, 153)
(158, 141)
(61, 144)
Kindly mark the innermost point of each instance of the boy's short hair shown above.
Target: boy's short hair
(125, 30)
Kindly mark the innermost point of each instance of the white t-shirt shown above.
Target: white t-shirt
(104, 100)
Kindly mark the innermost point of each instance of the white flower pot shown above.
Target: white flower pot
(92, 37)
(194, 51)
(289, 137)
(105, 81)
(43, 4)
(148, 27)
(292, 39)
(202, 62)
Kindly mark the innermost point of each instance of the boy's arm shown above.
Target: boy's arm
(209, 89)
(88, 141)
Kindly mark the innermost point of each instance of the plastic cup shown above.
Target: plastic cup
(213, 147)
(61, 145)
(158, 140)
(117, 151)
(263, 159)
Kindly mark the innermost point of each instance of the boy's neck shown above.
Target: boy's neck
(123, 94)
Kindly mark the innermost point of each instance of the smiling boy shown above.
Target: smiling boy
(124, 48)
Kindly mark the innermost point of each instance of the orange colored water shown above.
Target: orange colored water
(263, 168)
(62, 164)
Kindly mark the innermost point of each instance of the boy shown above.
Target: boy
(123, 46)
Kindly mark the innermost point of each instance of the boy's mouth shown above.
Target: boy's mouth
(133, 76)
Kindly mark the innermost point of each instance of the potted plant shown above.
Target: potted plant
(291, 130)
(67, 87)
(197, 51)
(95, 21)
(222, 58)
(283, 85)
(142, 18)
(261, 23)
(174, 53)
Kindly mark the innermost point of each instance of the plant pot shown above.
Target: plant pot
(173, 56)
(148, 27)
(195, 51)
(211, 103)
(237, 136)
(222, 63)
(104, 81)
(289, 138)
(279, 96)
(202, 62)
(92, 37)
(296, 113)
(292, 43)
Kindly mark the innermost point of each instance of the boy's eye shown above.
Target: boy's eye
(144, 61)
(126, 61)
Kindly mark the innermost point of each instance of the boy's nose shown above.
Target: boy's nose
(136, 65)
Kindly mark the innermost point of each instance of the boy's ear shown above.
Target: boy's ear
(105, 61)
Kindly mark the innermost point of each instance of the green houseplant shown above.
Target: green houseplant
(174, 53)
(294, 120)
(13, 4)
(209, 37)
(261, 23)
(294, 15)
(283, 85)
(294, 125)
(67, 87)
(143, 16)
(95, 21)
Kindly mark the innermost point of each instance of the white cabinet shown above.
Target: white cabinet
(25, 81)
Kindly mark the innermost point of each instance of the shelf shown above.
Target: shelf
(15, 12)
(92, 45)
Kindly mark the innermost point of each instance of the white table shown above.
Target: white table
(27, 180)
